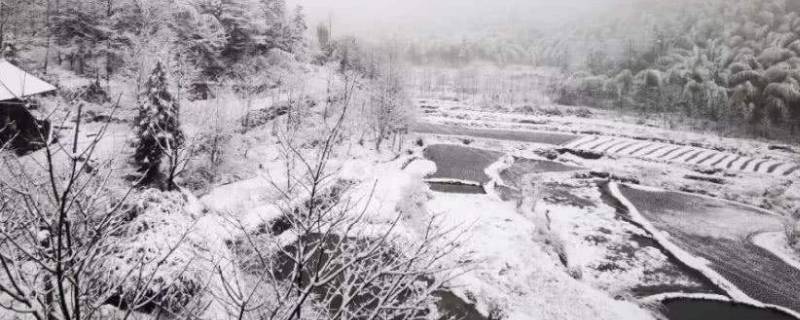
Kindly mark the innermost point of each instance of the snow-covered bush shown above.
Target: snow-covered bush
(159, 260)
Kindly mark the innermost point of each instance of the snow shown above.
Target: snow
(15, 83)
(237, 197)
(356, 169)
(421, 168)
(601, 122)
(512, 271)
(674, 295)
(390, 192)
(601, 245)
(494, 170)
(777, 244)
(171, 243)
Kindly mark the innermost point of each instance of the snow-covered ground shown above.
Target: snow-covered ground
(510, 270)
(583, 262)
(615, 255)
(780, 193)
(590, 234)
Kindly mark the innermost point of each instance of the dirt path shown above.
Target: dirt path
(720, 232)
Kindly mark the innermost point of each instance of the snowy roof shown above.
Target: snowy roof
(16, 83)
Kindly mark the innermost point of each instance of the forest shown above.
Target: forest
(731, 63)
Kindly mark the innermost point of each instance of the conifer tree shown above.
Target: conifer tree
(298, 30)
(157, 128)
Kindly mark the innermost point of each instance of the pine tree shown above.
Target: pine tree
(233, 16)
(274, 11)
(157, 127)
(79, 31)
(273, 26)
(324, 39)
(200, 41)
(298, 30)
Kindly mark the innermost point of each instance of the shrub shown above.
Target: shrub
(157, 260)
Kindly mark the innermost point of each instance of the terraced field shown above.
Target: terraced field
(716, 231)
(681, 154)
(720, 232)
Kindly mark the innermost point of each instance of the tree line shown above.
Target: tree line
(734, 63)
(201, 40)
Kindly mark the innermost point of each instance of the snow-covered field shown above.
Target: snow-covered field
(602, 248)
(511, 271)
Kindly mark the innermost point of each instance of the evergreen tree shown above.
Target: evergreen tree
(79, 30)
(200, 41)
(157, 128)
(298, 30)
(273, 25)
(274, 11)
(235, 18)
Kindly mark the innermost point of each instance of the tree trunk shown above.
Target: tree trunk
(49, 36)
(108, 49)
(379, 140)
(2, 36)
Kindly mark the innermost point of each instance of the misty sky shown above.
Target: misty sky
(445, 17)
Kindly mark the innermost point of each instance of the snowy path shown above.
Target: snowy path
(720, 233)
(681, 154)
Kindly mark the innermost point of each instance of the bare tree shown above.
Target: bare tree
(250, 77)
(61, 222)
(390, 103)
(336, 265)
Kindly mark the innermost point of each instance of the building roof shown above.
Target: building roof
(16, 83)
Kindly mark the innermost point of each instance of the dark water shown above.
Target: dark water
(696, 309)
(456, 188)
(459, 162)
(452, 307)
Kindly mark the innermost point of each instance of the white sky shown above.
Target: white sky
(445, 17)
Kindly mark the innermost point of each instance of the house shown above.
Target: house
(19, 129)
